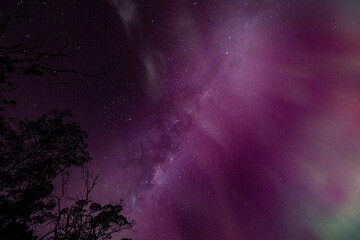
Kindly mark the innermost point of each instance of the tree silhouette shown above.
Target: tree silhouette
(33, 153)
(24, 57)
(84, 219)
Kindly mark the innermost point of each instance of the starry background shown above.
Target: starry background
(216, 119)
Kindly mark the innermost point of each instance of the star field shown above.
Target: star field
(216, 119)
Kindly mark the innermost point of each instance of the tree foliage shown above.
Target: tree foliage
(33, 154)
(84, 219)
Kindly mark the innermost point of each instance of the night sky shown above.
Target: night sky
(222, 119)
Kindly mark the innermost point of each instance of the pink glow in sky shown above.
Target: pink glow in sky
(221, 119)
(258, 131)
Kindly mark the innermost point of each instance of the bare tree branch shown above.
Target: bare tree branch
(85, 218)
(24, 57)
